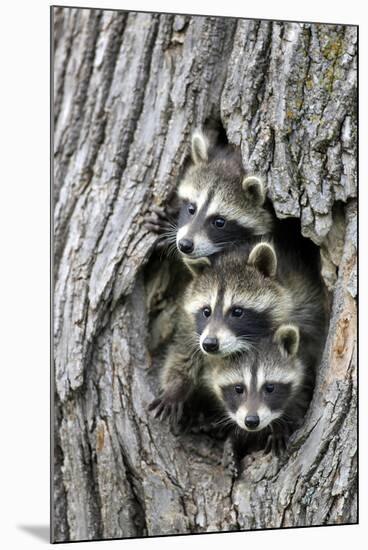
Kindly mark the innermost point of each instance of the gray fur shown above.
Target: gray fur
(199, 147)
(254, 190)
(263, 258)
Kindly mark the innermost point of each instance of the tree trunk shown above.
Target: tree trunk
(129, 88)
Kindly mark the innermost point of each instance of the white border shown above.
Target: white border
(24, 219)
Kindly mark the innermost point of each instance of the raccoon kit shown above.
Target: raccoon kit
(263, 394)
(220, 207)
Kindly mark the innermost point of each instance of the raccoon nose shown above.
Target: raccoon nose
(186, 246)
(252, 421)
(210, 344)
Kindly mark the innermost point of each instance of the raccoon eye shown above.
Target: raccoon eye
(206, 311)
(191, 209)
(269, 388)
(239, 388)
(219, 222)
(237, 312)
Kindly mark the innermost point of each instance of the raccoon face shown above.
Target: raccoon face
(256, 389)
(234, 304)
(227, 330)
(220, 208)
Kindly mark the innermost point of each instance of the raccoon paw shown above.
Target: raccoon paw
(230, 461)
(276, 444)
(159, 221)
(165, 407)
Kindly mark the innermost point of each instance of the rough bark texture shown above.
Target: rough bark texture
(128, 90)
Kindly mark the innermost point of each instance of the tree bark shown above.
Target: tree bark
(129, 88)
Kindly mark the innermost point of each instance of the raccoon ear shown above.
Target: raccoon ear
(196, 267)
(254, 190)
(263, 258)
(199, 147)
(287, 338)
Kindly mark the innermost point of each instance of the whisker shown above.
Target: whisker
(224, 421)
(171, 250)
